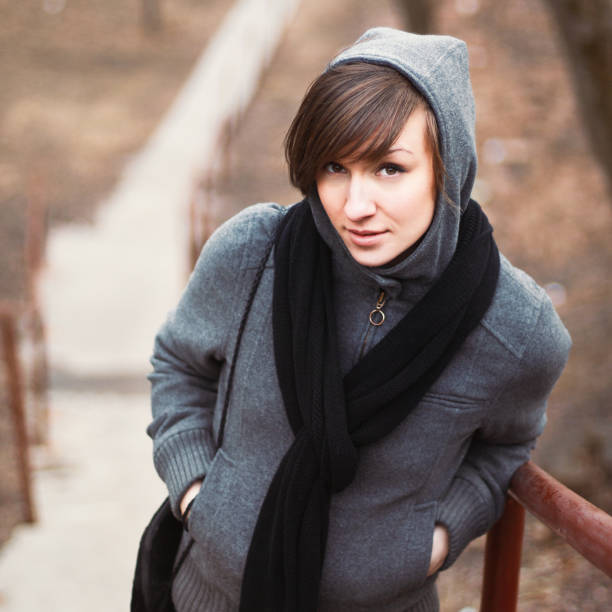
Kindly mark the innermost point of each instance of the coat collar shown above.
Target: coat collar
(410, 278)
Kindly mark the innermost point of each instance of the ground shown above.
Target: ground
(83, 87)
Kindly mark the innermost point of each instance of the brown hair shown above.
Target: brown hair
(354, 110)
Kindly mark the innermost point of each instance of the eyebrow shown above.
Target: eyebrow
(400, 149)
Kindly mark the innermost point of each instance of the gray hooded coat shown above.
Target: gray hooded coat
(450, 461)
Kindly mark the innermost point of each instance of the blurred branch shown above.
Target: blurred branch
(151, 15)
(586, 29)
(418, 15)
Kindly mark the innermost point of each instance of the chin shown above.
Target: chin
(371, 260)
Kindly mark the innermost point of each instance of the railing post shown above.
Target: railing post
(503, 560)
(15, 388)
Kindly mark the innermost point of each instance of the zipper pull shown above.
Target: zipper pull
(377, 316)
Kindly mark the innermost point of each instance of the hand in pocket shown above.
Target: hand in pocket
(439, 549)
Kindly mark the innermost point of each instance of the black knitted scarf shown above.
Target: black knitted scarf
(332, 416)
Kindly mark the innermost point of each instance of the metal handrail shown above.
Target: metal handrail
(582, 525)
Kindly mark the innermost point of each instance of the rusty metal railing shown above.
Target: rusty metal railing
(14, 381)
(582, 525)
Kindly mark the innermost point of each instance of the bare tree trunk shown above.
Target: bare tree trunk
(418, 15)
(586, 28)
(151, 15)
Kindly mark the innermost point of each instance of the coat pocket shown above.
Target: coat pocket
(420, 555)
(209, 499)
(216, 523)
(375, 558)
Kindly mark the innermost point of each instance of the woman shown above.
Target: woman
(393, 371)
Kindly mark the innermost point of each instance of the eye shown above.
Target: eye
(333, 168)
(390, 170)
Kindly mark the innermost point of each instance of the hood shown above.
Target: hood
(438, 67)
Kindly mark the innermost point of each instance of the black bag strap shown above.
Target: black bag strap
(245, 315)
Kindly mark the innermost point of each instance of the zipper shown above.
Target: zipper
(376, 318)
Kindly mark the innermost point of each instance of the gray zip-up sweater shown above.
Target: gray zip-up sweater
(450, 461)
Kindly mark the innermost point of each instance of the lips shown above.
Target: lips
(361, 237)
(365, 232)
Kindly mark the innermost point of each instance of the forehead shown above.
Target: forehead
(414, 132)
(412, 137)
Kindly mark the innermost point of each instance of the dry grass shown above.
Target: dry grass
(81, 91)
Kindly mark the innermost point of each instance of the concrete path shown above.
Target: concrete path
(105, 291)
(108, 287)
(93, 495)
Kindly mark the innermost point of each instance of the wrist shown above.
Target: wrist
(188, 499)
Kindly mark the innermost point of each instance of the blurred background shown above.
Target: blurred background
(129, 131)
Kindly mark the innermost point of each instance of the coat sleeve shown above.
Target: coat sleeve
(194, 344)
(477, 494)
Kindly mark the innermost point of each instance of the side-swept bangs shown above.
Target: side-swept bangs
(353, 111)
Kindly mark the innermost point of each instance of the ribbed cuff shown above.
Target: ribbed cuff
(181, 459)
(466, 516)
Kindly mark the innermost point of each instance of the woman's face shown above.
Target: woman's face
(381, 210)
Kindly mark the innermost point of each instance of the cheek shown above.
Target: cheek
(413, 197)
(426, 191)
(329, 197)
(415, 205)
(425, 208)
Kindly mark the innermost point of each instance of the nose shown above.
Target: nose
(359, 202)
